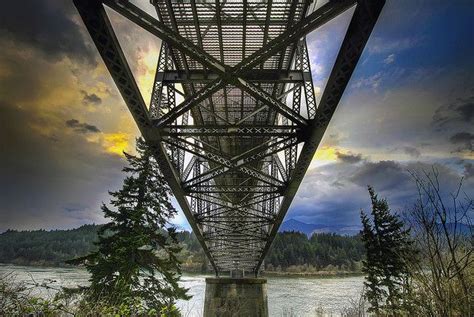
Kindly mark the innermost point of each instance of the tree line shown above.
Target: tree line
(291, 251)
(295, 252)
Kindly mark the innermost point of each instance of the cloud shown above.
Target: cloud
(386, 77)
(335, 193)
(390, 59)
(65, 183)
(412, 151)
(383, 175)
(81, 127)
(349, 157)
(461, 111)
(372, 81)
(379, 45)
(116, 143)
(90, 98)
(464, 140)
(48, 26)
(468, 170)
(466, 110)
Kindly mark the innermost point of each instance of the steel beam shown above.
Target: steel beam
(257, 75)
(241, 131)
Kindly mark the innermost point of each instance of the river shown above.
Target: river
(287, 296)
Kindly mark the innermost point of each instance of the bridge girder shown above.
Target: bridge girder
(236, 167)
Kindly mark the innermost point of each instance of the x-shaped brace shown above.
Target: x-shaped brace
(230, 75)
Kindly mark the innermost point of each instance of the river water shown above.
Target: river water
(287, 296)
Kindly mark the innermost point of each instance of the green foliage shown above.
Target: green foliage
(16, 300)
(319, 251)
(388, 248)
(136, 262)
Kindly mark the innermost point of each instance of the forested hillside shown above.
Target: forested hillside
(291, 251)
(295, 252)
(41, 247)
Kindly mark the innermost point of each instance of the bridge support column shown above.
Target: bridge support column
(235, 297)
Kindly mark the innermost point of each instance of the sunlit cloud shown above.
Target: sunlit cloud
(324, 155)
(117, 143)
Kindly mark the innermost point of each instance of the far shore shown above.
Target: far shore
(194, 272)
(311, 274)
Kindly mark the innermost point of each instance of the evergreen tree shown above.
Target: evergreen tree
(136, 262)
(371, 265)
(388, 247)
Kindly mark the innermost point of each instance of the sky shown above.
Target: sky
(409, 107)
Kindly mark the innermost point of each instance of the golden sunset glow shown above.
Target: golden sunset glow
(325, 154)
(117, 143)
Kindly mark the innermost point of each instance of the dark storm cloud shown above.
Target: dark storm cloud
(464, 141)
(46, 184)
(461, 111)
(81, 127)
(349, 158)
(46, 25)
(384, 175)
(319, 201)
(412, 151)
(466, 111)
(90, 98)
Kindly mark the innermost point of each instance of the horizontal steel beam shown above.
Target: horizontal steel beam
(244, 131)
(257, 75)
(234, 189)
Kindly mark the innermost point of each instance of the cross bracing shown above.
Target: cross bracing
(233, 119)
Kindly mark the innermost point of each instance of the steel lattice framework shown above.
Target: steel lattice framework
(236, 149)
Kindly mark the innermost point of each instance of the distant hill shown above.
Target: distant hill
(309, 229)
(345, 230)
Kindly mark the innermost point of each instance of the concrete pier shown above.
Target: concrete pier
(235, 297)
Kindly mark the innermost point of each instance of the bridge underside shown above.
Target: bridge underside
(233, 118)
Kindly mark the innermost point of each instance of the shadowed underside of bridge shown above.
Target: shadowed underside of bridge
(233, 118)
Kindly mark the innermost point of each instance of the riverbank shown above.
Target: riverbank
(312, 274)
(193, 271)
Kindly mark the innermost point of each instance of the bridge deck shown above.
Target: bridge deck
(233, 116)
(230, 32)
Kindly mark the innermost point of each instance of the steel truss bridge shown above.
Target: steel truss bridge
(237, 146)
